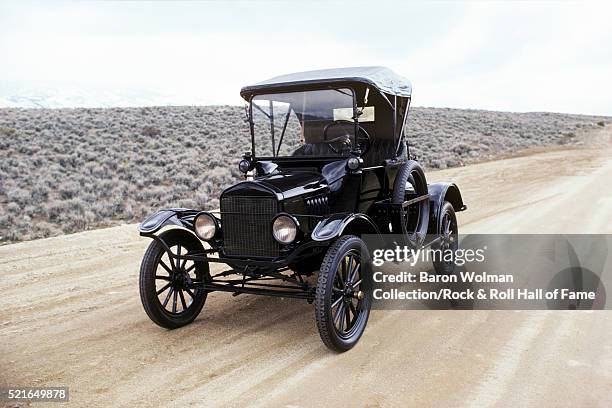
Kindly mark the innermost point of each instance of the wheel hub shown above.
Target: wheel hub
(178, 279)
(350, 293)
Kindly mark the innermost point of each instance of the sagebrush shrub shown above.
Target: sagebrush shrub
(65, 170)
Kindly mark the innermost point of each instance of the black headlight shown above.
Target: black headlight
(244, 165)
(205, 226)
(284, 229)
(354, 163)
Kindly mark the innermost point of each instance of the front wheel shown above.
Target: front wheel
(168, 287)
(343, 297)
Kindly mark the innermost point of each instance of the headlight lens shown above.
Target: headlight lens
(205, 226)
(284, 229)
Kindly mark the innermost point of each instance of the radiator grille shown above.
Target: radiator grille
(247, 227)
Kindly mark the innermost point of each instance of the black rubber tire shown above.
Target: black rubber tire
(447, 214)
(148, 291)
(411, 172)
(323, 296)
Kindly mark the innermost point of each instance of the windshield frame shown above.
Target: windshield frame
(337, 87)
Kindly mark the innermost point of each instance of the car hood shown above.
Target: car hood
(295, 183)
(288, 184)
(284, 186)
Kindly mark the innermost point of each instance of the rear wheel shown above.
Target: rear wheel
(343, 297)
(448, 234)
(166, 284)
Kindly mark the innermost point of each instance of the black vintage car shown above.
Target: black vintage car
(329, 162)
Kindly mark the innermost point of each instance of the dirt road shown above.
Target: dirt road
(70, 315)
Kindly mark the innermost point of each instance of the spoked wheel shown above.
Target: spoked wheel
(343, 296)
(448, 234)
(167, 285)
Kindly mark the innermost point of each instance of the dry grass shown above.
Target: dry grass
(67, 170)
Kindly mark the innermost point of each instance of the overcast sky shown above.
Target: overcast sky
(518, 56)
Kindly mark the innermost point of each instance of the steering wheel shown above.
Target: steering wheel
(363, 137)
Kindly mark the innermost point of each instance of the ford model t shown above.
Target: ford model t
(329, 162)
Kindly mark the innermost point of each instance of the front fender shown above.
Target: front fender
(342, 224)
(177, 217)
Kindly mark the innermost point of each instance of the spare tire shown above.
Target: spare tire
(413, 220)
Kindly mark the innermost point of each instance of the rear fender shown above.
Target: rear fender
(343, 224)
(438, 194)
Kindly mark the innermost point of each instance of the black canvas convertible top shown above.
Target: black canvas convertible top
(381, 78)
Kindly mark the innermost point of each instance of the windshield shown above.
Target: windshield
(308, 123)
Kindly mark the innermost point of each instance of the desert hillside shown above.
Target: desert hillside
(67, 170)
